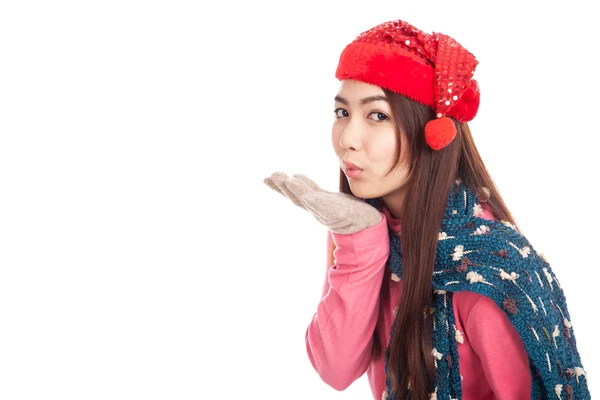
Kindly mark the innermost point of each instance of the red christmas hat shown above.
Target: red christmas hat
(433, 70)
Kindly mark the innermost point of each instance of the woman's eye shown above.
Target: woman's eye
(380, 115)
(337, 112)
(340, 112)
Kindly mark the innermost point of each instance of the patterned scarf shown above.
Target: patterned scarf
(493, 259)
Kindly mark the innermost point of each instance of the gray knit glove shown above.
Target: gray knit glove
(340, 212)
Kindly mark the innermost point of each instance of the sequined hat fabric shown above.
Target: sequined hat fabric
(433, 70)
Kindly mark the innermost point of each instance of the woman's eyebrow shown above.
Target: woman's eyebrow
(364, 101)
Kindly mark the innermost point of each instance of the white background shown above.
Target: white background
(141, 255)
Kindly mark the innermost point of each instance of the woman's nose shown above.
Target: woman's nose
(351, 137)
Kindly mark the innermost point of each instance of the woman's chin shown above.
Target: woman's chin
(362, 191)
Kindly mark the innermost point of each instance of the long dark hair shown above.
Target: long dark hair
(431, 175)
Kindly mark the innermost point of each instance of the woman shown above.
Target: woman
(425, 259)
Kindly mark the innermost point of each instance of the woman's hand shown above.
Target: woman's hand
(340, 212)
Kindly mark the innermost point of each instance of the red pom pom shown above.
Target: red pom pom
(440, 132)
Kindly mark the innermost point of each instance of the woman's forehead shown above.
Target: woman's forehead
(362, 93)
(351, 85)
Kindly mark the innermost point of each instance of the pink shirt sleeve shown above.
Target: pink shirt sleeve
(339, 336)
(502, 353)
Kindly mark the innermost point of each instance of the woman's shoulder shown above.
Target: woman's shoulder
(467, 303)
(472, 306)
(464, 301)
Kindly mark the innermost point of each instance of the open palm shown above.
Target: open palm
(340, 212)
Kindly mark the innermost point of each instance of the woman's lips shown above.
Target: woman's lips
(350, 169)
(353, 173)
(350, 165)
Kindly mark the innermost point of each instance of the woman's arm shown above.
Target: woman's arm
(339, 336)
(502, 353)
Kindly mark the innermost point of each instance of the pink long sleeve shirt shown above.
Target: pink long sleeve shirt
(359, 294)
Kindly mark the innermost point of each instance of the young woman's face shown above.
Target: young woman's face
(364, 133)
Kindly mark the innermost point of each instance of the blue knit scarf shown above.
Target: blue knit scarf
(493, 259)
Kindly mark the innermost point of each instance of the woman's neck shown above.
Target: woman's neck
(393, 201)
